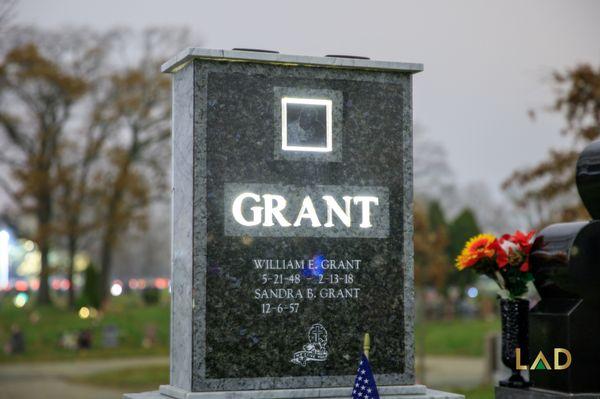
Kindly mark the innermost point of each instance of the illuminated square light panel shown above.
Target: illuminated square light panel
(306, 124)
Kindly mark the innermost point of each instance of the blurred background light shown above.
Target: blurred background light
(21, 285)
(161, 283)
(116, 289)
(472, 292)
(84, 312)
(21, 299)
(28, 245)
(4, 238)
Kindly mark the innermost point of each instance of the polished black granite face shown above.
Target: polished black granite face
(564, 261)
(290, 310)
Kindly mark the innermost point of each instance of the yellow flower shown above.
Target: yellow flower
(476, 249)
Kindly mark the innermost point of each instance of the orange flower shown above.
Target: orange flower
(476, 249)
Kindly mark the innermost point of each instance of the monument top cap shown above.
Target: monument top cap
(191, 53)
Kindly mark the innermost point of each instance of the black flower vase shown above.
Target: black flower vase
(515, 334)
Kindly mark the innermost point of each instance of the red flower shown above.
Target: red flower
(523, 240)
(501, 256)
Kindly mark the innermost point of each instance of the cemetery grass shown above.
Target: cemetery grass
(457, 337)
(128, 313)
(482, 392)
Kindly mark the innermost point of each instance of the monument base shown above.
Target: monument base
(533, 393)
(387, 392)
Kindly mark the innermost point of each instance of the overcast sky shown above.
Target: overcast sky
(486, 62)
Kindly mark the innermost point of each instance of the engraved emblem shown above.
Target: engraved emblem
(316, 348)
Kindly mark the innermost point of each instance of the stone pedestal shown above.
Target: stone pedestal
(532, 393)
(387, 392)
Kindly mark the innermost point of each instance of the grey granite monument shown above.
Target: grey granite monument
(292, 226)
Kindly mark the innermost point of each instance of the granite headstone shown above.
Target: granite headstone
(292, 225)
(564, 261)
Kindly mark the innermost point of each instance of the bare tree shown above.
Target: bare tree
(432, 173)
(84, 131)
(547, 190)
(138, 156)
(37, 97)
(7, 13)
(75, 181)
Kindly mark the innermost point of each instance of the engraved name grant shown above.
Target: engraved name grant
(297, 264)
(306, 293)
(268, 210)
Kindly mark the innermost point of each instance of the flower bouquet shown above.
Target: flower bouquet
(506, 261)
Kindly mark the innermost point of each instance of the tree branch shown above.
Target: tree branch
(6, 187)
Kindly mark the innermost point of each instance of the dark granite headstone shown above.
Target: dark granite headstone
(565, 260)
(292, 225)
(110, 336)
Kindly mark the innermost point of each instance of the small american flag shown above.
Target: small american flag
(364, 383)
